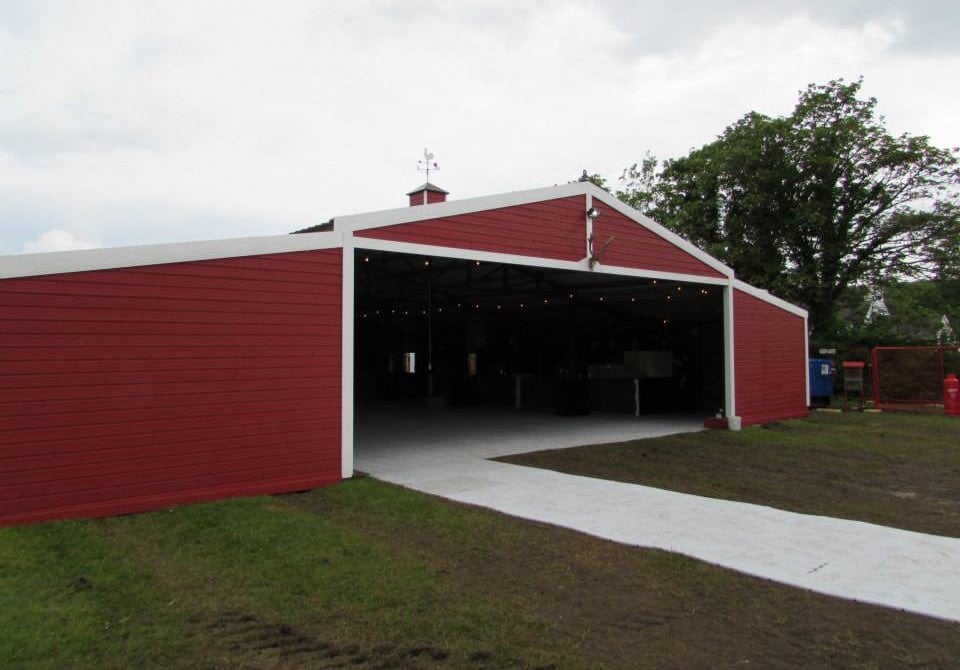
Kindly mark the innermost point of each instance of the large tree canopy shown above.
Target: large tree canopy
(808, 204)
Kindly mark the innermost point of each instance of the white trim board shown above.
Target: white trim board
(770, 298)
(347, 327)
(59, 262)
(583, 265)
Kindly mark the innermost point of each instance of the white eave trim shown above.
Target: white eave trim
(376, 244)
(770, 298)
(58, 262)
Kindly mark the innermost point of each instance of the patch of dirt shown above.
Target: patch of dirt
(623, 607)
(252, 642)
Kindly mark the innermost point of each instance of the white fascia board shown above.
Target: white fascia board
(658, 274)
(392, 217)
(583, 265)
(58, 262)
(770, 298)
(469, 254)
(613, 202)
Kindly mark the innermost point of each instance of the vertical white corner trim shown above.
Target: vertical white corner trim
(346, 359)
(587, 205)
(806, 357)
(729, 370)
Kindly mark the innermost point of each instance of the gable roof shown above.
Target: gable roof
(402, 215)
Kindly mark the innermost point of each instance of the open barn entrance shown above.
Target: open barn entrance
(447, 333)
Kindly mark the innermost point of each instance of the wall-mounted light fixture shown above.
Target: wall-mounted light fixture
(593, 213)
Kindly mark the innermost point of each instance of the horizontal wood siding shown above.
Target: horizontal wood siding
(130, 389)
(635, 246)
(770, 361)
(550, 229)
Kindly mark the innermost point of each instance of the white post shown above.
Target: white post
(729, 369)
(346, 358)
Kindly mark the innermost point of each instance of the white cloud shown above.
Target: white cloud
(133, 122)
(57, 240)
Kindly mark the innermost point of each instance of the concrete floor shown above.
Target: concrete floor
(445, 452)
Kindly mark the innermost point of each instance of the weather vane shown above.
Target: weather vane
(427, 163)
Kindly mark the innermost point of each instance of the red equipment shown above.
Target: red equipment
(951, 395)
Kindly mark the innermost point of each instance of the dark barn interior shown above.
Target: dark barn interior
(455, 332)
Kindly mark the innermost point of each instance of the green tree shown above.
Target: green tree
(811, 203)
(640, 182)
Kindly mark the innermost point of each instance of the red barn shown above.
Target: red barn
(140, 377)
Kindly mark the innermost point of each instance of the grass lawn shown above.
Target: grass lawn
(894, 469)
(369, 575)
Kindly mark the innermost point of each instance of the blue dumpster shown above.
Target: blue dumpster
(821, 382)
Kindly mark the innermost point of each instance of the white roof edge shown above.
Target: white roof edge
(612, 201)
(58, 262)
(769, 297)
(410, 214)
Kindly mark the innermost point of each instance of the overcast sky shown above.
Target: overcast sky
(130, 122)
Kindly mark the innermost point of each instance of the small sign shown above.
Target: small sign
(828, 351)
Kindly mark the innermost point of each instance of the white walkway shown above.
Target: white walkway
(444, 453)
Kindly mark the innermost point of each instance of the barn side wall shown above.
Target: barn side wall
(130, 389)
(770, 361)
(550, 229)
(630, 245)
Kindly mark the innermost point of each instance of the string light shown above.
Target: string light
(427, 262)
(366, 259)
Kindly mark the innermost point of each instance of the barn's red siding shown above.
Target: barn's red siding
(130, 389)
(550, 229)
(637, 247)
(770, 361)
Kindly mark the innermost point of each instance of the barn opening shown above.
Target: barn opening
(453, 332)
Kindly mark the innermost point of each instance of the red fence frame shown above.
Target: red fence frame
(874, 360)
